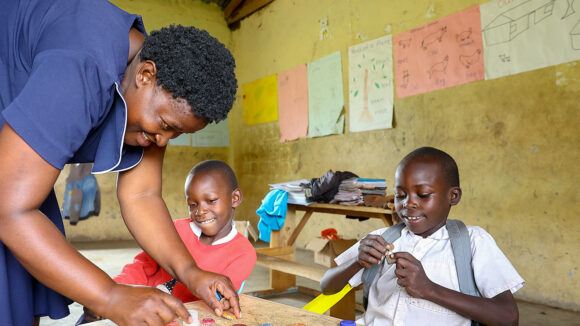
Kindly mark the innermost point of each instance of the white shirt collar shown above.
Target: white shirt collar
(230, 236)
(440, 234)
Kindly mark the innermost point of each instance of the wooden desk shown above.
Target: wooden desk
(255, 311)
(280, 257)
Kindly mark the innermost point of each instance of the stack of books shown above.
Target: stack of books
(351, 192)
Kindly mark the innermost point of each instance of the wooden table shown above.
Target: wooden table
(280, 257)
(256, 311)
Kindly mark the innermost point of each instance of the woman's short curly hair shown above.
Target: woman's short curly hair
(195, 66)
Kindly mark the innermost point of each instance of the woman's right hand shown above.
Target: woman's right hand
(372, 249)
(142, 305)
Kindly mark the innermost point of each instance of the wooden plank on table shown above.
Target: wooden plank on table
(256, 311)
(358, 211)
(291, 267)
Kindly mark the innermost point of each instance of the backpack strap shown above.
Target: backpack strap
(390, 235)
(461, 246)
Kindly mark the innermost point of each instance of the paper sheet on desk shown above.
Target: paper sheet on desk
(295, 191)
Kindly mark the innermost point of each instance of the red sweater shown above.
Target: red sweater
(234, 259)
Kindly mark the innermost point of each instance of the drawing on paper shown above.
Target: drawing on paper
(509, 24)
(463, 36)
(575, 36)
(570, 9)
(405, 43)
(439, 67)
(436, 36)
(469, 60)
(405, 78)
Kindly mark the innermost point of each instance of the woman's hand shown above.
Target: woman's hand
(142, 305)
(372, 250)
(204, 285)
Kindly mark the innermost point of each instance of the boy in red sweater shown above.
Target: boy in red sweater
(212, 194)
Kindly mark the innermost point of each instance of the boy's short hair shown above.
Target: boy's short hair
(446, 162)
(193, 65)
(211, 165)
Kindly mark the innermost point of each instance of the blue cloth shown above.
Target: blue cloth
(89, 187)
(272, 213)
(61, 63)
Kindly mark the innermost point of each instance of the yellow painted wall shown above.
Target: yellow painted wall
(515, 138)
(179, 160)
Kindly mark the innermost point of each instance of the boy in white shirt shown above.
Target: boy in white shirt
(421, 287)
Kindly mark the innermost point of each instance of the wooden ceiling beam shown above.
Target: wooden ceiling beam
(238, 9)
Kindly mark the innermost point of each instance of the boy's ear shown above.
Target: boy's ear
(454, 196)
(237, 197)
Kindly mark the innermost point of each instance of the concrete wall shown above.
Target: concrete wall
(515, 138)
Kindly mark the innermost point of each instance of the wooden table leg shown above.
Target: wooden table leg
(346, 307)
(281, 280)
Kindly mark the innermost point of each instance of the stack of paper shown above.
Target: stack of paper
(348, 193)
(351, 191)
(295, 190)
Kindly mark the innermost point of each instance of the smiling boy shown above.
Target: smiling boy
(212, 194)
(422, 286)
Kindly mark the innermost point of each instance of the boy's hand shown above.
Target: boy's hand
(204, 285)
(411, 276)
(141, 305)
(372, 250)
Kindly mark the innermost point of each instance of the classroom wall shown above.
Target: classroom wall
(515, 138)
(179, 160)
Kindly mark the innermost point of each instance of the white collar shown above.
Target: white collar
(437, 235)
(230, 236)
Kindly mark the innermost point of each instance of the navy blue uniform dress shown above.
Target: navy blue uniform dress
(61, 63)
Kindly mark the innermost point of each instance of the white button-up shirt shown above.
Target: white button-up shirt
(390, 304)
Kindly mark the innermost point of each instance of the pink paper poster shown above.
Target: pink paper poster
(293, 103)
(440, 54)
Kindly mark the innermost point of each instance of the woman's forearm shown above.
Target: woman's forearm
(48, 256)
